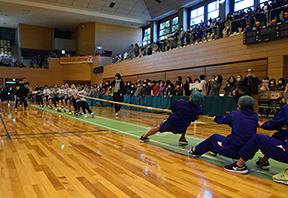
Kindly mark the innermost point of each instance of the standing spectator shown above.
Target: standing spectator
(182, 35)
(228, 21)
(137, 50)
(211, 80)
(272, 84)
(131, 52)
(216, 85)
(37, 87)
(229, 86)
(179, 81)
(251, 83)
(265, 84)
(139, 89)
(156, 89)
(237, 93)
(176, 38)
(162, 88)
(169, 91)
(238, 81)
(187, 85)
(203, 84)
(150, 88)
(170, 39)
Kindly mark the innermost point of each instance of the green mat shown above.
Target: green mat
(169, 142)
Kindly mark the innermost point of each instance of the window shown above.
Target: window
(213, 10)
(164, 30)
(241, 4)
(146, 38)
(197, 16)
(175, 24)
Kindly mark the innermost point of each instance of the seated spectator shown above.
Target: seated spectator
(187, 85)
(156, 88)
(248, 28)
(281, 84)
(162, 88)
(257, 26)
(285, 19)
(215, 86)
(229, 86)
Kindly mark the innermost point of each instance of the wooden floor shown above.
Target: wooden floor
(54, 156)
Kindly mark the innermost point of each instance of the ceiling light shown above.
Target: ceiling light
(111, 5)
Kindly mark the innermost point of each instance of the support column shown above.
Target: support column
(154, 31)
(183, 18)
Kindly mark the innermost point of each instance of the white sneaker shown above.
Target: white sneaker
(56, 109)
(85, 115)
(117, 114)
(92, 114)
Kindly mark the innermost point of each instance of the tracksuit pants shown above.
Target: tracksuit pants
(214, 143)
(275, 147)
(22, 100)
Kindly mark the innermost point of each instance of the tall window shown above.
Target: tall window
(164, 30)
(175, 24)
(146, 38)
(213, 10)
(241, 4)
(197, 15)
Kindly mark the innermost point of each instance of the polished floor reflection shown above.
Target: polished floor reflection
(54, 156)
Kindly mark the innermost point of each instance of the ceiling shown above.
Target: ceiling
(67, 14)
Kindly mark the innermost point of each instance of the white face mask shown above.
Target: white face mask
(272, 82)
(149, 83)
(238, 79)
(138, 85)
(280, 82)
(231, 80)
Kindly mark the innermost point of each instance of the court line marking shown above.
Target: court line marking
(50, 133)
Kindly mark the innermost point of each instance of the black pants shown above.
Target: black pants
(39, 101)
(117, 108)
(84, 105)
(117, 98)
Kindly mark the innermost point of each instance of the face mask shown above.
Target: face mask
(128, 84)
(132, 86)
(231, 80)
(272, 82)
(169, 87)
(280, 82)
(213, 80)
(238, 79)
(149, 83)
(144, 85)
(138, 85)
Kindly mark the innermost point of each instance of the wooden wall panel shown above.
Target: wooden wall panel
(193, 73)
(77, 72)
(36, 76)
(218, 52)
(154, 76)
(36, 37)
(286, 68)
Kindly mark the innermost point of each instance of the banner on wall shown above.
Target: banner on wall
(76, 60)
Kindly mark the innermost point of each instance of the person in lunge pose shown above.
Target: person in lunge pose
(275, 147)
(244, 125)
(183, 113)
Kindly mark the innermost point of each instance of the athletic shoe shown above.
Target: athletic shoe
(214, 153)
(80, 113)
(92, 114)
(59, 110)
(143, 140)
(47, 106)
(26, 108)
(16, 109)
(70, 112)
(236, 169)
(191, 152)
(42, 106)
(55, 109)
(183, 141)
(117, 114)
(51, 107)
(65, 110)
(76, 114)
(85, 115)
(281, 177)
(39, 106)
(264, 165)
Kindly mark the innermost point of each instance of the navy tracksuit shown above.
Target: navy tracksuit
(275, 147)
(244, 126)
